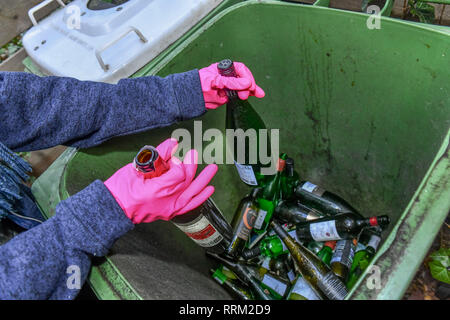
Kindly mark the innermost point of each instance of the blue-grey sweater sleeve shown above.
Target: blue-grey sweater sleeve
(52, 260)
(42, 112)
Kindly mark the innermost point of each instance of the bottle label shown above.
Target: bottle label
(291, 275)
(332, 287)
(324, 231)
(312, 188)
(246, 173)
(266, 263)
(260, 220)
(202, 232)
(343, 253)
(293, 234)
(274, 284)
(247, 223)
(374, 242)
(303, 288)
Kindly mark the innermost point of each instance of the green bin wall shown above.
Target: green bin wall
(365, 114)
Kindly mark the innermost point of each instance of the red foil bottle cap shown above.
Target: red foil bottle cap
(331, 244)
(280, 164)
(373, 221)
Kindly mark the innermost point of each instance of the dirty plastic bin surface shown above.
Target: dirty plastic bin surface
(365, 114)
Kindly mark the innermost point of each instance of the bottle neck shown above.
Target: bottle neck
(374, 221)
(279, 231)
(251, 253)
(226, 69)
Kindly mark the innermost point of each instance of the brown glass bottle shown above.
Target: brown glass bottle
(205, 225)
(148, 163)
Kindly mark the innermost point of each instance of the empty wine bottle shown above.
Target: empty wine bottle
(270, 247)
(241, 115)
(233, 287)
(227, 272)
(327, 251)
(363, 255)
(289, 180)
(290, 267)
(206, 226)
(243, 221)
(245, 275)
(301, 290)
(318, 198)
(270, 196)
(294, 212)
(343, 226)
(277, 286)
(342, 258)
(312, 269)
(148, 162)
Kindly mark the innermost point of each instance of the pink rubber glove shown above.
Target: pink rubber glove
(173, 193)
(213, 85)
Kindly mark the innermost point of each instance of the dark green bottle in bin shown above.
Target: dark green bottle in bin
(368, 242)
(243, 221)
(318, 198)
(289, 180)
(232, 286)
(270, 197)
(240, 115)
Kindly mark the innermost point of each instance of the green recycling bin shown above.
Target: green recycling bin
(364, 112)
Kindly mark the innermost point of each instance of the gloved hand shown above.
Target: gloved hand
(173, 193)
(213, 85)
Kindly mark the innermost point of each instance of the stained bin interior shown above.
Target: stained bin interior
(363, 112)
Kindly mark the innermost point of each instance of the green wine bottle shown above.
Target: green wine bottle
(240, 115)
(312, 269)
(243, 275)
(270, 196)
(277, 285)
(293, 211)
(342, 258)
(269, 247)
(339, 227)
(364, 254)
(318, 198)
(265, 285)
(326, 252)
(243, 221)
(233, 287)
(289, 180)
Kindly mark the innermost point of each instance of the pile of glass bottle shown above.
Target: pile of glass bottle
(289, 239)
(330, 244)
